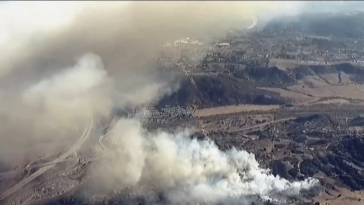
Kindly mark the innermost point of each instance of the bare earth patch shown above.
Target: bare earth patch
(232, 109)
(332, 78)
(319, 88)
(345, 91)
(297, 98)
(345, 78)
(343, 196)
(282, 64)
(332, 101)
(312, 81)
(291, 63)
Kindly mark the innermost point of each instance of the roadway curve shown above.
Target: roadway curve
(73, 149)
(255, 21)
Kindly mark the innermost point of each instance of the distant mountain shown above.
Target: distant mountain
(224, 89)
(210, 91)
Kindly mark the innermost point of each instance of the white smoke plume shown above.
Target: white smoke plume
(51, 114)
(59, 94)
(74, 95)
(188, 171)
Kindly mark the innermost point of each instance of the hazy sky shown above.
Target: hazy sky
(32, 32)
(28, 28)
(21, 19)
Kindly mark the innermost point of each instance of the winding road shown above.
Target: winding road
(73, 149)
(255, 21)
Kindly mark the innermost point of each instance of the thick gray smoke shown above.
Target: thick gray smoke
(75, 95)
(53, 112)
(187, 171)
(184, 170)
(51, 83)
(46, 94)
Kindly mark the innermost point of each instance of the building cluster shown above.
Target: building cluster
(164, 115)
(302, 48)
(260, 48)
(186, 41)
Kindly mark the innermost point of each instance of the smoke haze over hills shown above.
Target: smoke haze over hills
(64, 62)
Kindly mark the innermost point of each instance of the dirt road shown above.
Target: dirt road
(263, 124)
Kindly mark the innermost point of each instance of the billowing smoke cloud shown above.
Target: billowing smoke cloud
(75, 95)
(50, 112)
(187, 171)
(47, 95)
(145, 163)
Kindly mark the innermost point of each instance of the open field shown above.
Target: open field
(332, 101)
(283, 64)
(343, 196)
(232, 109)
(343, 91)
(296, 97)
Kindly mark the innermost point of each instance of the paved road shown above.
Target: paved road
(358, 87)
(73, 149)
(263, 124)
(53, 162)
(101, 138)
(255, 21)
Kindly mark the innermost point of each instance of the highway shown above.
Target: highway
(359, 88)
(255, 21)
(50, 163)
(73, 149)
(101, 138)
